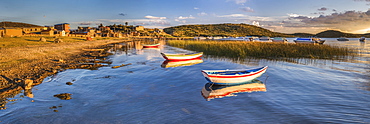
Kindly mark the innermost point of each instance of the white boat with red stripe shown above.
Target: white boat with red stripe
(233, 77)
(151, 45)
(184, 56)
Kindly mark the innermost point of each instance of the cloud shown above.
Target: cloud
(181, 21)
(323, 9)
(255, 23)
(182, 17)
(85, 23)
(160, 22)
(246, 9)
(319, 13)
(146, 22)
(362, 0)
(293, 15)
(297, 16)
(196, 8)
(122, 14)
(347, 21)
(249, 18)
(153, 17)
(202, 14)
(239, 2)
(234, 15)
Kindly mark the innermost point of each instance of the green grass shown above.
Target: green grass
(240, 49)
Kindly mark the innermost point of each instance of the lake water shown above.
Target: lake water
(150, 90)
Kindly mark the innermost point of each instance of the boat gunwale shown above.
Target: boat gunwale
(260, 70)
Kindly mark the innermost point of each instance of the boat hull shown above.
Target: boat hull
(151, 45)
(233, 79)
(181, 57)
(304, 41)
(309, 40)
(342, 39)
(168, 64)
(362, 39)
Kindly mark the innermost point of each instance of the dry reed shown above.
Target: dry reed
(237, 49)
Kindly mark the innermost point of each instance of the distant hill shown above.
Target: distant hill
(334, 34)
(17, 24)
(235, 30)
(302, 35)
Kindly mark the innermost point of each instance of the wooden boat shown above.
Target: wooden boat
(318, 40)
(235, 39)
(169, 64)
(279, 39)
(362, 39)
(186, 56)
(264, 39)
(232, 77)
(342, 39)
(210, 91)
(151, 45)
(309, 40)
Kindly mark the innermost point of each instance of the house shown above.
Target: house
(33, 30)
(10, 32)
(49, 32)
(139, 28)
(62, 27)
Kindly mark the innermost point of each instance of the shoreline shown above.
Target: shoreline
(28, 66)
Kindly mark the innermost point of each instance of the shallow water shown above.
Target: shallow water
(298, 91)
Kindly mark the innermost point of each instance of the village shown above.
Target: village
(63, 29)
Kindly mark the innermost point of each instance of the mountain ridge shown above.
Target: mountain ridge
(17, 24)
(226, 29)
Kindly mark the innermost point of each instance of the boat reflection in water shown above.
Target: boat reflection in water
(169, 64)
(210, 91)
(158, 49)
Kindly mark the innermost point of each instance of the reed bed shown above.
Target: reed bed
(240, 49)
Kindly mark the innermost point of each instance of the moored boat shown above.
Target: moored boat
(264, 39)
(151, 45)
(343, 39)
(169, 64)
(235, 38)
(279, 39)
(210, 91)
(185, 56)
(362, 39)
(252, 38)
(232, 77)
(309, 40)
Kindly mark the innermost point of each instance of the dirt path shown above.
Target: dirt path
(36, 62)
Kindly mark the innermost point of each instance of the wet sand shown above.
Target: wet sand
(35, 62)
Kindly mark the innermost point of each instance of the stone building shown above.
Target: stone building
(139, 28)
(10, 32)
(62, 27)
(33, 30)
(49, 32)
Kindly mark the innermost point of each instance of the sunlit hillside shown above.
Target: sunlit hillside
(16, 24)
(234, 30)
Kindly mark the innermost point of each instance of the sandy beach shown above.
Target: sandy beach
(35, 62)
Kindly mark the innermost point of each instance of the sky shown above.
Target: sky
(285, 16)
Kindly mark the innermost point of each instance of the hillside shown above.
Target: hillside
(334, 33)
(234, 30)
(17, 24)
(302, 35)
